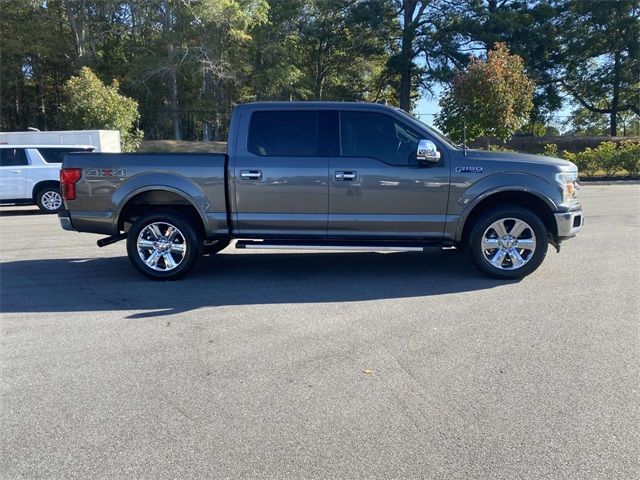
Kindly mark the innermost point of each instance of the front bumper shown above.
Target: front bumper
(569, 223)
(65, 220)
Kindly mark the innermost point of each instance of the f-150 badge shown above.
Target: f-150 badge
(468, 169)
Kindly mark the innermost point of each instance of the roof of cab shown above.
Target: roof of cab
(29, 145)
(316, 104)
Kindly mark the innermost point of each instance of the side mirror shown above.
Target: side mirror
(427, 152)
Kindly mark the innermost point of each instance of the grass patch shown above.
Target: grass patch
(180, 146)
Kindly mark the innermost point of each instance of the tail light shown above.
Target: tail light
(68, 179)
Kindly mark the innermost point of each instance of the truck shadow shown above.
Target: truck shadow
(111, 284)
(19, 212)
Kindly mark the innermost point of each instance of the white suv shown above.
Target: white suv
(31, 174)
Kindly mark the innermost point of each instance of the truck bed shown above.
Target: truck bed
(112, 182)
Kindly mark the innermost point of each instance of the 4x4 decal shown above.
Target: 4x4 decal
(106, 172)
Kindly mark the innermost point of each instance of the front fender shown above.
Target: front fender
(465, 200)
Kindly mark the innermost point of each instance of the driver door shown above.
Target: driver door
(377, 189)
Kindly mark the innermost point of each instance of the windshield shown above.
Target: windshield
(436, 133)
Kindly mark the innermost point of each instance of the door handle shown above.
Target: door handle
(250, 174)
(346, 175)
(16, 171)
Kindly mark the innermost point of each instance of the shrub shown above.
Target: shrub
(90, 104)
(585, 161)
(550, 150)
(606, 158)
(499, 148)
(629, 157)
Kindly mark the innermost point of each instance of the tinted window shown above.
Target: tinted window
(376, 135)
(285, 133)
(55, 155)
(12, 156)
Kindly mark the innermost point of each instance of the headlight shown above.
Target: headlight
(568, 182)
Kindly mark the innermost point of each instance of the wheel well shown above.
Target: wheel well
(39, 186)
(522, 199)
(158, 200)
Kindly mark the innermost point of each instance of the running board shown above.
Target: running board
(328, 245)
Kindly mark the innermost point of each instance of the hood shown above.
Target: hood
(513, 157)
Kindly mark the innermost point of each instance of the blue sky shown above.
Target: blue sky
(427, 106)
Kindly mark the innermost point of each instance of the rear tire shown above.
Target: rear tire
(508, 242)
(49, 200)
(163, 245)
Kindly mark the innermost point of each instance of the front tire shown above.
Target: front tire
(508, 242)
(163, 245)
(49, 199)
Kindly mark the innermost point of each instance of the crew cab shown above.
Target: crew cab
(325, 175)
(30, 174)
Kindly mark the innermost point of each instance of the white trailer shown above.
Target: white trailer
(102, 140)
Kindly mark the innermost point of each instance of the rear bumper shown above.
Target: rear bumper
(569, 223)
(65, 220)
(89, 222)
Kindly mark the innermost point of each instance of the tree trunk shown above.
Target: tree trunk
(319, 79)
(218, 93)
(173, 100)
(173, 73)
(173, 95)
(77, 28)
(18, 109)
(206, 93)
(615, 100)
(406, 54)
(217, 127)
(41, 120)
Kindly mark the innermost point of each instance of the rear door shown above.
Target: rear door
(377, 187)
(13, 174)
(281, 174)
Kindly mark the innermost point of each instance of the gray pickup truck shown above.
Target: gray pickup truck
(324, 175)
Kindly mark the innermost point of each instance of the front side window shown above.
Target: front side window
(55, 155)
(11, 157)
(289, 133)
(376, 135)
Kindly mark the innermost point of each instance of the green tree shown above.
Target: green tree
(584, 122)
(419, 37)
(219, 50)
(601, 55)
(527, 28)
(493, 97)
(90, 104)
(273, 57)
(34, 44)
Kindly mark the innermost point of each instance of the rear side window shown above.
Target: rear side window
(288, 133)
(55, 155)
(10, 157)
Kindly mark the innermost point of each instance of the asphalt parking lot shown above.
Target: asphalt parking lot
(316, 365)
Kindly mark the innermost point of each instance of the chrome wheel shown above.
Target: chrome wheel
(161, 246)
(508, 244)
(51, 200)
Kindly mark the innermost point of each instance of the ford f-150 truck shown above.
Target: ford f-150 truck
(324, 175)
